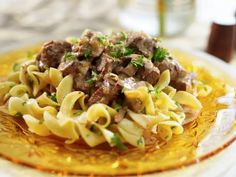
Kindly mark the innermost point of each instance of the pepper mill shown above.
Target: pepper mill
(222, 39)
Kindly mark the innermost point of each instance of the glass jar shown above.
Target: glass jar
(157, 17)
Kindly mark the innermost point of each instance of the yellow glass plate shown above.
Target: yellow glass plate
(51, 154)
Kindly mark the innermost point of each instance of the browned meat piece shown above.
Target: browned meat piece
(104, 65)
(80, 80)
(142, 43)
(69, 67)
(108, 91)
(74, 67)
(172, 65)
(129, 70)
(180, 78)
(135, 104)
(149, 72)
(51, 54)
(125, 67)
(89, 45)
(81, 84)
(79, 70)
(118, 37)
(120, 115)
(184, 81)
(111, 79)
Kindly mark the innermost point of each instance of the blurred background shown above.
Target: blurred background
(207, 25)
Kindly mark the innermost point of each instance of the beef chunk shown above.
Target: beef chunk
(81, 84)
(172, 65)
(79, 69)
(135, 104)
(74, 67)
(80, 79)
(125, 67)
(109, 90)
(129, 70)
(69, 67)
(89, 45)
(180, 78)
(149, 72)
(142, 43)
(51, 54)
(120, 115)
(104, 64)
(184, 81)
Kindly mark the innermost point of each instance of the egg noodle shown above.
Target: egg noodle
(54, 113)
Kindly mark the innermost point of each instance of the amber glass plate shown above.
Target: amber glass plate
(200, 140)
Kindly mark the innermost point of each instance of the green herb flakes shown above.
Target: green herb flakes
(16, 67)
(30, 55)
(74, 40)
(124, 35)
(78, 113)
(117, 107)
(155, 91)
(41, 121)
(93, 128)
(159, 54)
(139, 62)
(30, 81)
(93, 78)
(140, 141)
(87, 54)
(18, 114)
(69, 56)
(102, 39)
(116, 141)
(128, 51)
(53, 97)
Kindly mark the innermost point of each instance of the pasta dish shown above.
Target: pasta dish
(123, 89)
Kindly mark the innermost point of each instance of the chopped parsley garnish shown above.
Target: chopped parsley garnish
(87, 53)
(138, 63)
(78, 113)
(18, 114)
(140, 141)
(128, 51)
(123, 89)
(16, 67)
(155, 90)
(117, 107)
(87, 135)
(93, 78)
(30, 55)
(118, 50)
(102, 39)
(41, 121)
(68, 56)
(116, 141)
(53, 97)
(74, 40)
(115, 50)
(159, 54)
(93, 128)
(30, 81)
(124, 35)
